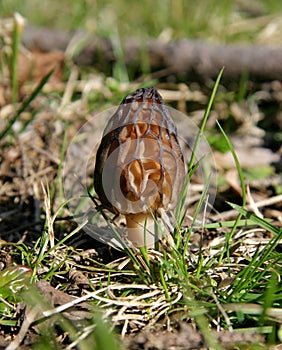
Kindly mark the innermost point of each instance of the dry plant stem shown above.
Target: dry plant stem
(141, 229)
(30, 317)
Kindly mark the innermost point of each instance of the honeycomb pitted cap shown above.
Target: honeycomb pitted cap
(139, 163)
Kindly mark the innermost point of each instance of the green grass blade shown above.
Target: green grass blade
(264, 223)
(238, 166)
(229, 224)
(180, 210)
(255, 272)
(204, 120)
(103, 338)
(26, 104)
(243, 188)
(16, 39)
(197, 211)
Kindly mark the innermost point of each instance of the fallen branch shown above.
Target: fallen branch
(185, 59)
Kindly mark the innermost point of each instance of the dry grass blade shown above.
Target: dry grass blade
(49, 219)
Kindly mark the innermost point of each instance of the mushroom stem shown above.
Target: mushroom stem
(141, 229)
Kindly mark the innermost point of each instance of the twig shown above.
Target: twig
(188, 59)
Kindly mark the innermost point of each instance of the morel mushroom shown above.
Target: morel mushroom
(139, 164)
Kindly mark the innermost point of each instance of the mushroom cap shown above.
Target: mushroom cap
(139, 163)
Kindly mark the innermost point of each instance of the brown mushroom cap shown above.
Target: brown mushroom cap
(139, 164)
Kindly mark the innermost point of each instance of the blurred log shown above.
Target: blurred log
(188, 60)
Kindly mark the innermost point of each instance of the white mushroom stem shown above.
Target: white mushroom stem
(141, 229)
